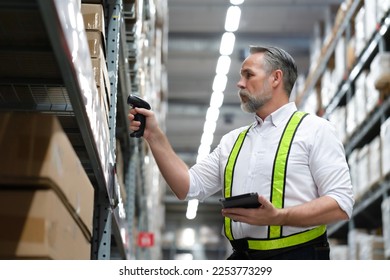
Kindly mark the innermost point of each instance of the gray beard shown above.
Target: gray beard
(252, 104)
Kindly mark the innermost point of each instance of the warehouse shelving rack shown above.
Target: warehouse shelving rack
(367, 211)
(57, 41)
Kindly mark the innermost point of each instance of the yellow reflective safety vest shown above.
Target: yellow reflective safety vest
(275, 240)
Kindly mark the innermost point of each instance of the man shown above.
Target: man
(292, 160)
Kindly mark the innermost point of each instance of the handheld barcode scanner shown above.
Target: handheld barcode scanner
(135, 101)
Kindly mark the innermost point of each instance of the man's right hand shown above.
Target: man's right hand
(151, 122)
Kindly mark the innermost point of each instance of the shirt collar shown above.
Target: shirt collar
(279, 115)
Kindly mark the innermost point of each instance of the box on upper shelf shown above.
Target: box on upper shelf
(380, 68)
(93, 15)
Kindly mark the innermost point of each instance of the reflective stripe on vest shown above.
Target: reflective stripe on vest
(229, 177)
(280, 167)
(275, 239)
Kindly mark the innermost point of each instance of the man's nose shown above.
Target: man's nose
(241, 84)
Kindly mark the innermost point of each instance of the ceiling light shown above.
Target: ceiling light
(203, 151)
(227, 43)
(226, 48)
(216, 99)
(223, 65)
(207, 138)
(236, 2)
(220, 82)
(232, 21)
(212, 114)
(209, 128)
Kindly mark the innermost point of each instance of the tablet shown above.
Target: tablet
(248, 200)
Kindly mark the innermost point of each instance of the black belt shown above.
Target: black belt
(241, 246)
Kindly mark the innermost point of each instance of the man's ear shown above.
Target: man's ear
(277, 78)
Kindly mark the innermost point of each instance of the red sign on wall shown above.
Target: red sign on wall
(145, 239)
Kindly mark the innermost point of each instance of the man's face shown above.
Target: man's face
(255, 90)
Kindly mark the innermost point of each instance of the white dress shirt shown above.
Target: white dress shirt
(316, 166)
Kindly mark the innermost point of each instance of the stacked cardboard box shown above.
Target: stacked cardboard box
(372, 95)
(366, 167)
(93, 15)
(363, 167)
(347, 50)
(361, 99)
(380, 68)
(46, 197)
(328, 87)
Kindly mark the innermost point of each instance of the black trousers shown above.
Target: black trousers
(317, 249)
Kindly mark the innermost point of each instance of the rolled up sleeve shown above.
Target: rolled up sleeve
(330, 169)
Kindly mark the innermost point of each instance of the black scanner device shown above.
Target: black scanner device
(135, 101)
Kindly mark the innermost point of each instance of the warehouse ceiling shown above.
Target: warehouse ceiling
(195, 31)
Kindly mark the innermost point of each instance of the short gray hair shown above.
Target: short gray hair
(277, 58)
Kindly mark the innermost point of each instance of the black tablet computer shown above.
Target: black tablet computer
(248, 200)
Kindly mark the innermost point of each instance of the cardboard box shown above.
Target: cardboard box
(36, 153)
(93, 15)
(360, 98)
(37, 225)
(338, 119)
(360, 31)
(100, 72)
(99, 68)
(383, 6)
(372, 93)
(380, 68)
(370, 18)
(340, 60)
(95, 44)
(363, 170)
